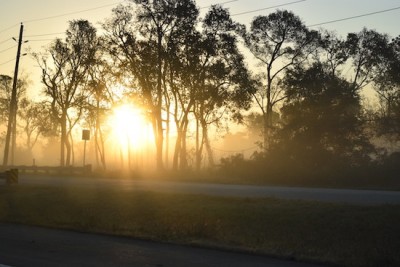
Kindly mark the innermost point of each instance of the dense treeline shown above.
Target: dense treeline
(188, 72)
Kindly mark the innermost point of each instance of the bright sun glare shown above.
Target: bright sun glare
(130, 129)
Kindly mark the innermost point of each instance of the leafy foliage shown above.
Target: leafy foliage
(322, 120)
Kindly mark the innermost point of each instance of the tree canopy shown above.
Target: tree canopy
(192, 75)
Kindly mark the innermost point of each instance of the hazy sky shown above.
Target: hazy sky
(311, 11)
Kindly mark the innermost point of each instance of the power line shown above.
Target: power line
(57, 33)
(223, 3)
(61, 15)
(72, 13)
(45, 34)
(9, 28)
(354, 17)
(8, 49)
(266, 8)
(1, 64)
(7, 40)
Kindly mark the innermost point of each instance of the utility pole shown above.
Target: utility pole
(11, 127)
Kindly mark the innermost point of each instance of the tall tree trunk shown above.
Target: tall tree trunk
(180, 155)
(158, 138)
(100, 151)
(72, 148)
(96, 144)
(159, 142)
(198, 151)
(268, 114)
(159, 129)
(103, 152)
(98, 140)
(167, 136)
(63, 122)
(265, 132)
(177, 151)
(69, 151)
(183, 152)
(168, 116)
(28, 141)
(206, 141)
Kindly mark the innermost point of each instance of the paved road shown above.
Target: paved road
(359, 197)
(34, 246)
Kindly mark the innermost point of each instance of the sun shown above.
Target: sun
(130, 129)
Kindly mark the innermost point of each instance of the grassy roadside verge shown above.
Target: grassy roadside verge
(329, 233)
(363, 181)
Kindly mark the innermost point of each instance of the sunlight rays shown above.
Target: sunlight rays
(131, 134)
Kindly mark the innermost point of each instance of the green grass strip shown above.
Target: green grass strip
(308, 231)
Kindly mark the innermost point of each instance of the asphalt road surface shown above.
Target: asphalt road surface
(34, 246)
(358, 197)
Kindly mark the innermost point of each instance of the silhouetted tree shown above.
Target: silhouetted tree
(5, 93)
(179, 89)
(139, 38)
(333, 52)
(279, 41)
(254, 123)
(65, 75)
(5, 101)
(367, 52)
(35, 121)
(5, 97)
(207, 77)
(103, 78)
(322, 121)
(226, 85)
(387, 85)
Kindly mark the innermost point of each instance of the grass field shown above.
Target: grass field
(343, 235)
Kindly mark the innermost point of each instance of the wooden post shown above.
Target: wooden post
(13, 105)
